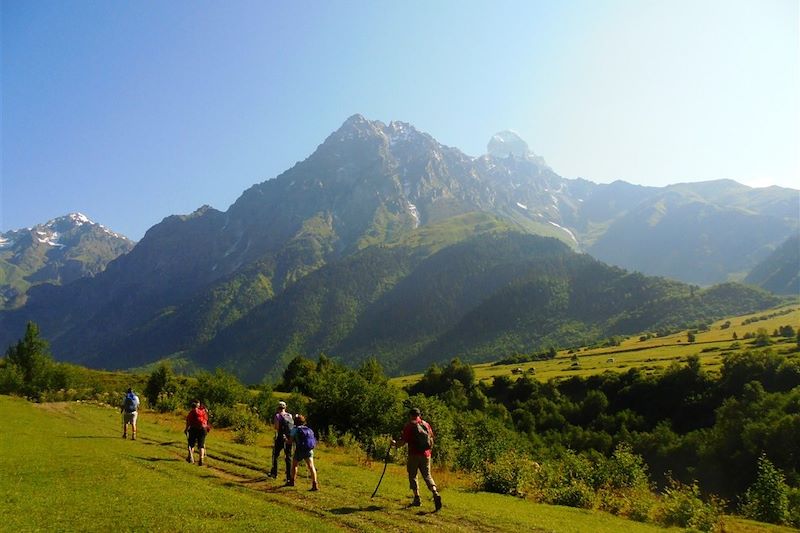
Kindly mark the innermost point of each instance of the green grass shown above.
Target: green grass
(64, 467)
(651, 355)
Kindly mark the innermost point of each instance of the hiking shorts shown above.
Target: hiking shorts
(303, 455)
(130, 418)
(197, 436)
(421, 464)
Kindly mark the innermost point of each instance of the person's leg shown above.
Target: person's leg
(287, 452)
(277, 446)
(201, 444)
(411, 467)
(313, 471)
(133, 424)
(425, 470)
(190, 446)
(294, 473)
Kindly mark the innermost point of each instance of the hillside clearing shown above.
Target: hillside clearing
(651, 355)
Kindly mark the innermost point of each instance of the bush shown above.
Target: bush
(512, 473)
(682, 506)
(767, 499)
(218, 389)
(794, 507)
(624, 470)
(168, 403)
(577, 494)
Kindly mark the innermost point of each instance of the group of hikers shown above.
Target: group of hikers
(297, 441)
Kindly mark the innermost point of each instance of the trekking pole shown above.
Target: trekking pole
(385, 464)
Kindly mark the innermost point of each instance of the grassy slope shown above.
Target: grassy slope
(64, 466)
(651, 355)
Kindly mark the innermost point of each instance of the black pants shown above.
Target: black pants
(281, 444)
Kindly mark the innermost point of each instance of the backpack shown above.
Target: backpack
(286, 424)
(130, 403)
(421, 437)
(305, 439)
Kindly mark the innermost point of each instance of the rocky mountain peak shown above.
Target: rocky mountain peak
(507, 143)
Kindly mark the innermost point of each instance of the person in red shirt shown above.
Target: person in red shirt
(418, 434)
(196, 430)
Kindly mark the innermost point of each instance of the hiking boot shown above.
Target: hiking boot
(273, 475)
(437, 501)
(124, 435)
(133, 437)
(200, 462)
(190, 459)
(416, 502)
(314, 487)
(289, 483)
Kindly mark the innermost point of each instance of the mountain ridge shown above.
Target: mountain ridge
(367, 185)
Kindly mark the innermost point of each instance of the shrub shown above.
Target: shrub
(577, 494)
(167, 403)
(219, 389)
(624, 470)
(682, 506)
(794, 507)
(767, 499)
(246, 426)
(512, 473)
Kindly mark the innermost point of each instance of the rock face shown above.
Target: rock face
(506, 143)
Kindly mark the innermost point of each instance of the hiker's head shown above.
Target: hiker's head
(130, 390)
(414, 413)
(299, 420)
(281, 405)
(195, 403)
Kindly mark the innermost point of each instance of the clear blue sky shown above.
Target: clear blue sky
(132, 111)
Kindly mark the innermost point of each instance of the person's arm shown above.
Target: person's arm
(401, 440)
(276, 425)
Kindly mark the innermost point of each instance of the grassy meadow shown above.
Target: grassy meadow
(651, 355)
(64, 467)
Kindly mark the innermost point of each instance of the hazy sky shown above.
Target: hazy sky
(132, 111)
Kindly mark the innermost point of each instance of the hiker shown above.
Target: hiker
(419, 436)
(304, 443)
(196, 430)
(283, 424)
(130, 412)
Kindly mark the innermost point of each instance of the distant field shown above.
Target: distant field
(651, 355)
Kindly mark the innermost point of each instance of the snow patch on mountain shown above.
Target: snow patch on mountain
(523, 206)
(572, 235)
(412, 209)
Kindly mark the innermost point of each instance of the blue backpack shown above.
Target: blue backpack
(131, 405)
(305, 439)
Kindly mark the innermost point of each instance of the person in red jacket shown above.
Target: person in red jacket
(196, 430)
(418, 434)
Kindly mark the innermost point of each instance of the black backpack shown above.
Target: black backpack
(286, 424)
(423, 440)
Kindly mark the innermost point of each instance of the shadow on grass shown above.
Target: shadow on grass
(351, 510)
(89, 437)
(159, 459)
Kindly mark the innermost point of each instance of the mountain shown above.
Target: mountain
(58, 252)
(492, 295)
(780, 271)
(683, 234)
(274, 274)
